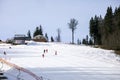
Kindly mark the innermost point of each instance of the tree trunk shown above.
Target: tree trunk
(72, 36)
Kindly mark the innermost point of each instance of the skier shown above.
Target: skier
(4, 53)
(43, 55)
(10, 47)
(44, 51)
(55, 52)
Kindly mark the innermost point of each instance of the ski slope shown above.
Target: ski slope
(72, 62)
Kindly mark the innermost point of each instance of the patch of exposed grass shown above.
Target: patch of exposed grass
(117, 52)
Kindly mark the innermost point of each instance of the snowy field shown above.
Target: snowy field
(60, 62)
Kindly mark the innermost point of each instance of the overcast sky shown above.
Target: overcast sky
(19, 16)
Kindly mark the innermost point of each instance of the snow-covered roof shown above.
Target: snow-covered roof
(20, 35)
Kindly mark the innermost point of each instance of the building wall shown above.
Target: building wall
(19, 42)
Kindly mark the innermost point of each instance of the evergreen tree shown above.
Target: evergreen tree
(84, 41)
(36, 32)
(95, 30)
(52, 39)
(100, 25)
(90, 42)
(108, 27)
(87, 39)
(108, 21)
(41, 30)
(117, 18)
(72, 25)
(106, 31)
(91, 28)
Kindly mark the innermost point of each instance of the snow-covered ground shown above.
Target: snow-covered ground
(72, 62)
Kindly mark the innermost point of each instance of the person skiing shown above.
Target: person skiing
(4, 53)
(55, 52)
(44, 51)
(43, 55)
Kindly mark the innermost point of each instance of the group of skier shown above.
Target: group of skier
(46, 51)
(43, 55)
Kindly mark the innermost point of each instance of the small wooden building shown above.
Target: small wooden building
(40, 38)
(20, 39)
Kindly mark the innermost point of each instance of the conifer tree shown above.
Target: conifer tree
(90, 42)
(41, 30)
(108, 21)
(107, 30)
(95, 30)
(84, 41)
(36, 32)
(52, 39)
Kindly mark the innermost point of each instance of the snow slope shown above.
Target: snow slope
(72, 62)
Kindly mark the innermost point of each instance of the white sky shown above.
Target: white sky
(19, 16)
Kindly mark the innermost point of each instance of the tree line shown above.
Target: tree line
(39, 31)
(106, 31)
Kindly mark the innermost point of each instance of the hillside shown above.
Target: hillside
(60, 62)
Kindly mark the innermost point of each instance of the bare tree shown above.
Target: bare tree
(72, 25)
(58, 38)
